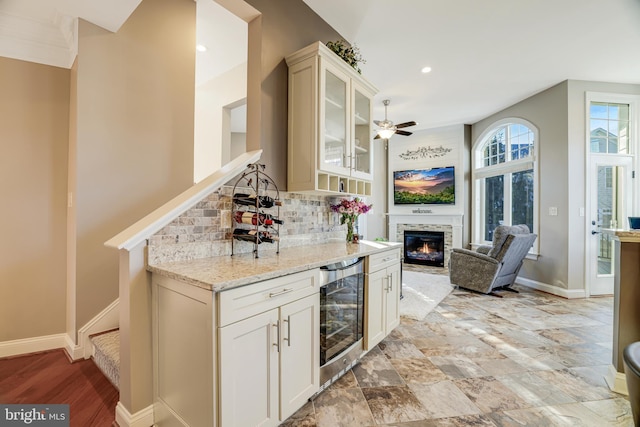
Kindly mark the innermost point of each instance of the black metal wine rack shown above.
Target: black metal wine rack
(256, 193)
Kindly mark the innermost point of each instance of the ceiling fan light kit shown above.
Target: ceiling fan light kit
(387, 128)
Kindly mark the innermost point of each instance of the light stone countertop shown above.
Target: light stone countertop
(226, 272)
(628, 235)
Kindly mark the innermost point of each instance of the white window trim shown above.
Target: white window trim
(479, 171)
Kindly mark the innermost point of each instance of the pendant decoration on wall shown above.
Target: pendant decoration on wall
(425, 152)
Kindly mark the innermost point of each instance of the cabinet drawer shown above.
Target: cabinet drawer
(246, 301)
(383, 260)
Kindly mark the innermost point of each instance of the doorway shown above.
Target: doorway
(610, 200)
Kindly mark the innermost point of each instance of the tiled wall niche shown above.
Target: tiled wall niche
(205, 229)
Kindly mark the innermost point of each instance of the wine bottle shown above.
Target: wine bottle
(254, 236)
(250, 200)
(256, 218)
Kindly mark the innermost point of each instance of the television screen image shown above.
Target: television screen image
(435, 186)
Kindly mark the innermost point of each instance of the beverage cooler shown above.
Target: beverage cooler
(341, 317)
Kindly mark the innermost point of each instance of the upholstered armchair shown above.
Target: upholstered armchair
(492, 267)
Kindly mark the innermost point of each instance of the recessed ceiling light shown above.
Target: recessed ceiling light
(426, 70)
(201, 48)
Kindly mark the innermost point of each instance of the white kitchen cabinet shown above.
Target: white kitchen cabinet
(329, 133)
(382, 294)
(248, 356)
(270, 359)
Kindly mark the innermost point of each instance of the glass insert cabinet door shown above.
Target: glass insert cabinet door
(361, 157)
(335, 153)
(345, 123)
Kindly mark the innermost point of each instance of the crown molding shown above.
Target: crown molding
(28, 39)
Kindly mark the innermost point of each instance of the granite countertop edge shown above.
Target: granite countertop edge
(226, 272)
(628, 235)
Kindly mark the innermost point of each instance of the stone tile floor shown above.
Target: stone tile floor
(528, 359)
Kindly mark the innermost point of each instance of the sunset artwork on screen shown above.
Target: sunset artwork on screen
(424, 186)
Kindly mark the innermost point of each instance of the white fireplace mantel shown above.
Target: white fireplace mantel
(455, 221)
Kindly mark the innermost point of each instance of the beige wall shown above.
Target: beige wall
(286, 27)
(135, 101)
(34, 112)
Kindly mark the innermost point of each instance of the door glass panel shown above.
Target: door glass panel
(609, 212)
(362, 138)
(335, 130)
(493, 205)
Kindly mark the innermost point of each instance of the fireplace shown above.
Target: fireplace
(424, 247)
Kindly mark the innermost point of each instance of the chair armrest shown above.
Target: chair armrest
(464, 253)
(484, 249)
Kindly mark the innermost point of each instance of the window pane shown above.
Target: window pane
(522, 198)
(598, 110)
(609, 127)
(493, 205)
(598, 145)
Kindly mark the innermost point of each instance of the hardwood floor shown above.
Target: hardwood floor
(49, 377)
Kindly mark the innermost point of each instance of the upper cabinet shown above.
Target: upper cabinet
(330, 134)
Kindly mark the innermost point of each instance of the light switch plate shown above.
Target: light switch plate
(553, 211)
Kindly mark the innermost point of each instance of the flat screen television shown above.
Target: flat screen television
(435, 186)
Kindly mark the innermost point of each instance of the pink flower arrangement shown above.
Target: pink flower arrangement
(349, 210)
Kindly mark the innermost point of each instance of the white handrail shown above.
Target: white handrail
(152, 223)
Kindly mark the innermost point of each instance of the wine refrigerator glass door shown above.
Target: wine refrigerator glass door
(341, 316)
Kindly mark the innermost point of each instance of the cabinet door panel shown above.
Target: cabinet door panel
(393, 298)
(361, 160)
(334, 124)
(300, 357)
(249, 372)
(375, 308)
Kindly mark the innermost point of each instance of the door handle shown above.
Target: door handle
(282, 292)
(277, 343)
(595, 232)
(288, 338)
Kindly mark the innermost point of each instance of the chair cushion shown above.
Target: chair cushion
(501, 233)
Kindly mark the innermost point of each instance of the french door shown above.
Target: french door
(610, 198)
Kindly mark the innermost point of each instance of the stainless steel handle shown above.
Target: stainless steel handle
(388, 259)
(288, 338)
(386, 288)
(282, 292)
(277, 343)
(389, 277)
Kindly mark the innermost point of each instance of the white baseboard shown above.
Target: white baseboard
(33, 345)
(616, 381)
(107, 319)
(143, 418)
(73, 349)
(550, 289)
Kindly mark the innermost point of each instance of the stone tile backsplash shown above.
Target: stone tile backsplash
(205, 229)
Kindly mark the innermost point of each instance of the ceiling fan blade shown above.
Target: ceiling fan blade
(403, 132)
(406, 124)
(377, 122)
(376, 137)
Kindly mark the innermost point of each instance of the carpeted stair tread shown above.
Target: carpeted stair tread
(107, 355)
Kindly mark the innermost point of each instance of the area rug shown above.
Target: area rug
(422, 292)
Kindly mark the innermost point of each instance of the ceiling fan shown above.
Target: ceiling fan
(387, 128)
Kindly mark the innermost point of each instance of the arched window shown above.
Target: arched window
(505, 178)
